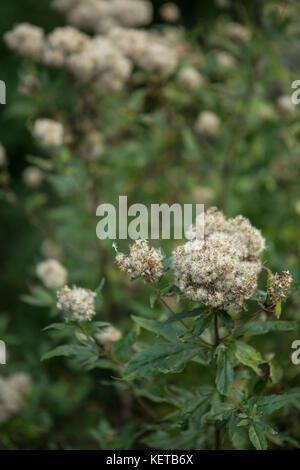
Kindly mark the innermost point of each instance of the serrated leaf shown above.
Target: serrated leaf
(182, 315)
(64, 350)
(257, 437)
(59, 326)
(269, 404)
(224, 375)
(161, 329)
(262, 327)
(202, 323)
(123, 348)
(248, 356)
(163, 358)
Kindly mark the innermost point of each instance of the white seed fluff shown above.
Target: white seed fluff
(208, 124)
(142, 261)
(190, 78)
(49, 133)
(13, 394)
(27, 40)
(52, 273)
(77, 300)
(109, 335)
(221, 270)
(32, 176)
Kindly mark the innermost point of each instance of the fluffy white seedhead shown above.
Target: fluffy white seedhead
(32, 176)
(280, 287)
(190, 78)
(101, 15)
(48, 132)
(221, 270)
(238, 32)
(109, 335)
(207, 123)
(52, 273)
(27, 40)
(13, 394)
(170, 12)
(142, 261)
(77, 300)
(150, 52)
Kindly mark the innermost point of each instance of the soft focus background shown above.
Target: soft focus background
(253, 169)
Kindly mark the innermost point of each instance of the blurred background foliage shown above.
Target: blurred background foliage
(251, 183)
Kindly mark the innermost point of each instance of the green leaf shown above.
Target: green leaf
(222, 411)
(163, 358)
(257, 437)
(224, 375)
(64, 350)
(269, 404)
(153, 299)
(40, 297)
(161, 329)
(123, 348)
(184, 314)
(248, 356)
(59, 327)
(202, 323)
(262, 327)
(226, 320)
(99, 298)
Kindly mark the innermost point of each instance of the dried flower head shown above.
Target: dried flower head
(102, 64)
(52, 273)
(151, 52)
(279, 287)
(32, 176)
(286, 106)
(207, 123)
(142, 261)
(13, 393)
(101, 15)
(238, 32)
(222, 269)
(77, 300)
(27, 40)
(170, 12)
(190, 78)
(109, 335)
(225, 61)
(48, 132)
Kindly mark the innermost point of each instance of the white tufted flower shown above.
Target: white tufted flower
(77, 300)
(27, 40)
(221, 270)
(48, 132)
(142, 261)
(286, 106)
(52, 273)
(207, 123)
(13, 393)
(190, 78)
(109, 335)
(32, 176)
(170, 12)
